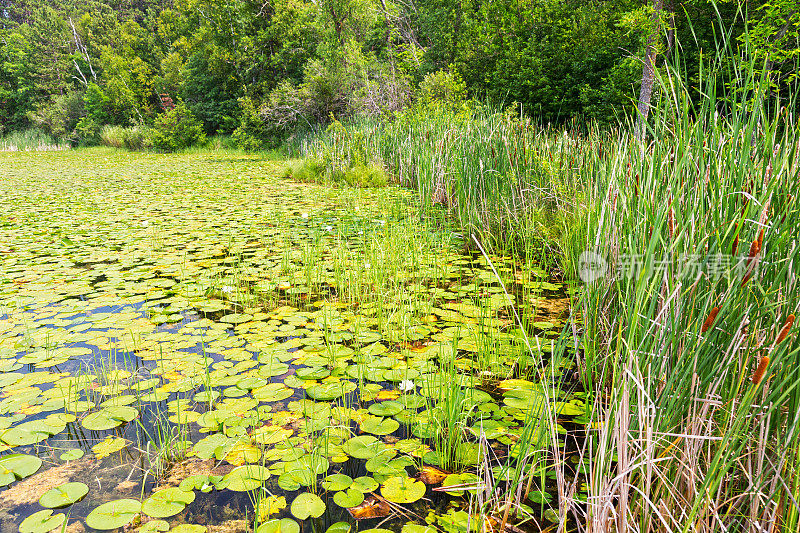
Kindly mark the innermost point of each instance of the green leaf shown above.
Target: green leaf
(64, 495)
(112, 515)
(42, 521)
(307, 505)
(167, 502)
(401, 489)
(17, 466)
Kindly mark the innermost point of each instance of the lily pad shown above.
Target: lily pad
(42, 521)
(348, 498)
(401, 489)
(283, 525)
(17, 466)
(307, 505)
(167, 502)
(114, 514)
(64, 495)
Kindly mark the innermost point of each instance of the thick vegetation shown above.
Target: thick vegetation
(263, 71)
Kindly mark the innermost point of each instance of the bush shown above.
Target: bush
(177, 129)
(253, 133)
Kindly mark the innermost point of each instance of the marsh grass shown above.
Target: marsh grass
(31, 140)
(691, 425)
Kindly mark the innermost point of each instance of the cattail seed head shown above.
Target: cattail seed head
(758, 375)
(735, 240)
(712, 316)
(785, 329)
(754, 249)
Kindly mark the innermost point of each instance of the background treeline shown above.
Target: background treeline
(262, 69)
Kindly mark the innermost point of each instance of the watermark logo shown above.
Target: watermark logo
(591, 266)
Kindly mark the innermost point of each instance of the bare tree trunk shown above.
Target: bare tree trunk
(648, 71)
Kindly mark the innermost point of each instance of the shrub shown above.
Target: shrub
(443, 87)
(253, 133)
(177, 129)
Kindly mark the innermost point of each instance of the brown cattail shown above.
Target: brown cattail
(758, 375)
(735, 239)
(785, 329)
(712, 316)
(760, 239)
(754, 249)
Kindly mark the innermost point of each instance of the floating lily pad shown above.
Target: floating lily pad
(244, 478)
(337, 482)
(64, 495)
(283, 525)
(71, 455)
(167, 502)
(400, 489)
(42, 521)
(17, 466)
(348, 498)
(307, 505)
(114, 514)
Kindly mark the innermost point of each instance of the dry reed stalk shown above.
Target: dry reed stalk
(712, 316)
(758, 375)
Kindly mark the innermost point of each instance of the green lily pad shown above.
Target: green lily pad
(64, 495)
(244, 478)
(362, 446)
(109, 417)
(337, 482)
(307, 505)
(167, 502)
(42, 521)
(17, 466)
(114, 514)
(401, 489)
(379, 426)
(365, 484)
(388, 408)
(348, 498)
(71, 455)
(282, 525)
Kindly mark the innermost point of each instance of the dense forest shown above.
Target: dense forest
(69, 67)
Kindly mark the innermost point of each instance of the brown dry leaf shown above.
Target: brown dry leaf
(431, 476)
(372, 507)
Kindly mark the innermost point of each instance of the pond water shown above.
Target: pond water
(189, 342)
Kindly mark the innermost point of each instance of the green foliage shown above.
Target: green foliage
(177, 129)
(253, 133)
(443, 87)
(132, 138)
(315, 170)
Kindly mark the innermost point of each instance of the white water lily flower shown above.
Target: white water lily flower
(227, 288)
(304, 215)
(367, 265)
(406, 385)
(327, 228)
